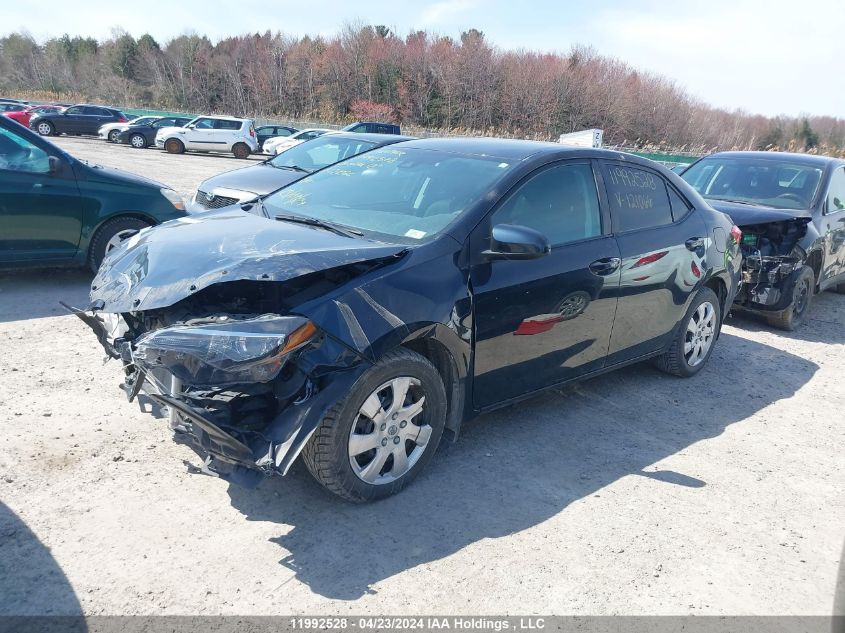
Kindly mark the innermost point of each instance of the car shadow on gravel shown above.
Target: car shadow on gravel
(518, 467)
(31, 581)
(35, 294)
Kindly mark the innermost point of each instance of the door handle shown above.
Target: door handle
(694, 243)
(605, 266)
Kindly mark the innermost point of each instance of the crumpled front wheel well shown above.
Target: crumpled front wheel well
(442, 359)
(814, 261)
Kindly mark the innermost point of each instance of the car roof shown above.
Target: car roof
(378, 139)
(513, 149)
(222, 117)
(795, 157)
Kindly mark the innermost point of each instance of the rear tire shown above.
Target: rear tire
(695, 338)
(138, 141)
(174, 146)
(45, 128)
(796, 313)
(112, 136)
(840, 289)
(110, 234)
(241, 150)
(377, 442)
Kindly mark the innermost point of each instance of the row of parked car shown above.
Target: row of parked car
(359, 296)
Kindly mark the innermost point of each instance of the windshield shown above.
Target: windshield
(408, 193)
(320, 152)
(762, 181)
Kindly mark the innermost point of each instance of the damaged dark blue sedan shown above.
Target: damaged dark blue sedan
(359, 314)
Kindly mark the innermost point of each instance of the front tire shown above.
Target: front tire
(109, 236)
(112, 136)
(45, 128)
(174, 146)
(795, 314)
(241, 150)
(375, 441)
(138, 141)
(693, 343)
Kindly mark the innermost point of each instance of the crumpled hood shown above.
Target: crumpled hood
(164, 264)
(745, 214)
(259, 179)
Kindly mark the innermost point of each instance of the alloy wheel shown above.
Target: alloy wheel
(119, 238)
(389, 435)
(44, 129)
(701, 329)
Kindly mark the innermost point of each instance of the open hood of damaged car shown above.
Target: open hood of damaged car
(164, 264)
(747, 214)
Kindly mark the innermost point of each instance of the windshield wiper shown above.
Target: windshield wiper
(323, 224)
(750, 204)
(291, 167)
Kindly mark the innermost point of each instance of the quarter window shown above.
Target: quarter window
(679, 206)
(638, 198)
(560, 202)
(836, 193)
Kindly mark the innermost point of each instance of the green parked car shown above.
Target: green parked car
(56, 210)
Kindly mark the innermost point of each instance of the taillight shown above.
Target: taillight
(736, 234)
(252, 132)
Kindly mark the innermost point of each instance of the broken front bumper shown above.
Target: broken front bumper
(768, 283)
(322, 373)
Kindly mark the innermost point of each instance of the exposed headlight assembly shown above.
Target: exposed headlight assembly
(226, 352)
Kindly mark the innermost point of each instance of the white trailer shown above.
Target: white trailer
(584, 138)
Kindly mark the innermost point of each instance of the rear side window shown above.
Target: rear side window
(560, 202)
(95, 111)
(638, 198)
(223, 124)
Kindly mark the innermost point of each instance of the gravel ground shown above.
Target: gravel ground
(633, 493)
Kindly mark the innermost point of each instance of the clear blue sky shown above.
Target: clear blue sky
(769, 57)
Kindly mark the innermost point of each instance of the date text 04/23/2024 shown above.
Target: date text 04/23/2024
(426, 623)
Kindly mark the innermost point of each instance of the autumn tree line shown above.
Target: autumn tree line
(423, 81)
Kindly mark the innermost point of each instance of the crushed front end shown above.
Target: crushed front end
(244, 391)
(772, 260)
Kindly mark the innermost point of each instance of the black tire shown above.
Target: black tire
(241, 150)
(138, 141)
(110, 229)
(326, 455)
(45, 128)
(796, 313)
(840, 289)
(674, 360)
(174, 146)
(112, 135)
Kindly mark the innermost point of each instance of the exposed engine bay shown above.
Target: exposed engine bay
(771, 254)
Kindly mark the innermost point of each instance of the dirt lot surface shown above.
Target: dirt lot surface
(632, 493)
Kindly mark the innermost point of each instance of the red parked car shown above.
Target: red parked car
(23, 116)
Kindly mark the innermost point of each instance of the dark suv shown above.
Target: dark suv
(59, 211)
(372, 127)
(77, 119)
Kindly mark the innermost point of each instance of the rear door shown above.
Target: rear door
(94, 118)
(662, 242)
(547, 320)
(40, 211)
(226, 133)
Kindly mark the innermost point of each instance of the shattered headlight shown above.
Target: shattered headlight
(226, 352)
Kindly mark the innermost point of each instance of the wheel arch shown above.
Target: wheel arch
(428, 345)
(814, 260)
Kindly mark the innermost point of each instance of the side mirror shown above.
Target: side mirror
(510, 241)
(55, 165)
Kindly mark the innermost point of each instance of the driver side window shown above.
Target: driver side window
(561, 203)
(836, 192)
(19, 155)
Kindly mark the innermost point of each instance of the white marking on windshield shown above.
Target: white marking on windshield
(418, 200)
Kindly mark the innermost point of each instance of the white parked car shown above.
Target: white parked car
(109, 131)
(211, 134)
(279, 144)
